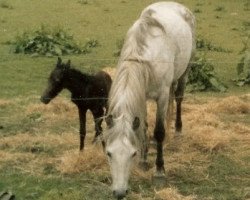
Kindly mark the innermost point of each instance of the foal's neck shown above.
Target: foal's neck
(75, 81)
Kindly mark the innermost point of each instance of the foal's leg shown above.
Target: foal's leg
(98, 114)
(82, 117)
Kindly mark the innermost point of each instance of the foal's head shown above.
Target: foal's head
(121, 148)
(55, 81)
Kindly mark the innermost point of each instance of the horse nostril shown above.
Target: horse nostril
(126, 191)
(119, 194)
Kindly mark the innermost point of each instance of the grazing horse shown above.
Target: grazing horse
(88, 92)
(153, 65)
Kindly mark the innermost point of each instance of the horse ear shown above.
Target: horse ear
(59, 61)
(136, 123)
(110, 121)
(68, 64)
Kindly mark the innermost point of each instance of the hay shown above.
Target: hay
(5, 102)
(205, 131)
(27, 140)
(57, 108)
(92, 159)
(231, 105)
(172, 194)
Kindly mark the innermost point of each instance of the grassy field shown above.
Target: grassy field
(39, 156)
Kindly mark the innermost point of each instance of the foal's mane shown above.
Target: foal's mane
(79, 75)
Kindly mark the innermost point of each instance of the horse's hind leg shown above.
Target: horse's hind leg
(179, 98)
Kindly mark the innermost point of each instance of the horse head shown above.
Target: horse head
(121, 149)
(55, 81)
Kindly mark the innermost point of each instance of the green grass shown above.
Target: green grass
(31, 187)
(23, 78)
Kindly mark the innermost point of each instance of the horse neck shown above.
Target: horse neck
(75, 81)
(128, 92)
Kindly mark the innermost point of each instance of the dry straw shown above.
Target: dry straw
(205, 131)
(91, 160)
(173, 194)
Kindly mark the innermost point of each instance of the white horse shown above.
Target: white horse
(153, 62)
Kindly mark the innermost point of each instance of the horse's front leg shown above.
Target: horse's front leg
(159, 135)
(144, 151)
(82, 118)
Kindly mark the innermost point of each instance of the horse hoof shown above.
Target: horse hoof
(144, 165)
(159, 181)
(95, 140)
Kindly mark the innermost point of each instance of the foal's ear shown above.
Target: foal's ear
(68, 64)
(110, 121)
(136, 123)
(59, 61)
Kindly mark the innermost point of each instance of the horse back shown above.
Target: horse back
(103, 81)
(176, 44)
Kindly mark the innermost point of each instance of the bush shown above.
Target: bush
(202, 76)
(5, 4)
(243, 67)
(50, 42)
(119, 44)
(202, 44)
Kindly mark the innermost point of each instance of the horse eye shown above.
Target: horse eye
(134, 154)
(109, 154)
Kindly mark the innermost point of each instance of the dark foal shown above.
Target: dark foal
(88, 92)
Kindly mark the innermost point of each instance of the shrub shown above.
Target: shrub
(119, 44)
(220, 8)
(243, 67)
(202, 76)
(202, 44)
(83, 2)
(5, 4)
(50, 42)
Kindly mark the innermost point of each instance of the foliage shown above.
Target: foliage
(219, 8)
(243, 67)
(83, 2)
(202, 76)
(5, 4)
(50, 42)
(202, 44)
(119, 44)
(197, 10)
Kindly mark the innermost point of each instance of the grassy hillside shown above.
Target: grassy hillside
(39, 156)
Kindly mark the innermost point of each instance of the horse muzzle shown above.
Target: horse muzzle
(120, 194)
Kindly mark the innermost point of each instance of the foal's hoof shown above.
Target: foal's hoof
(144, 165)
(178, 134)
(159, 180)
